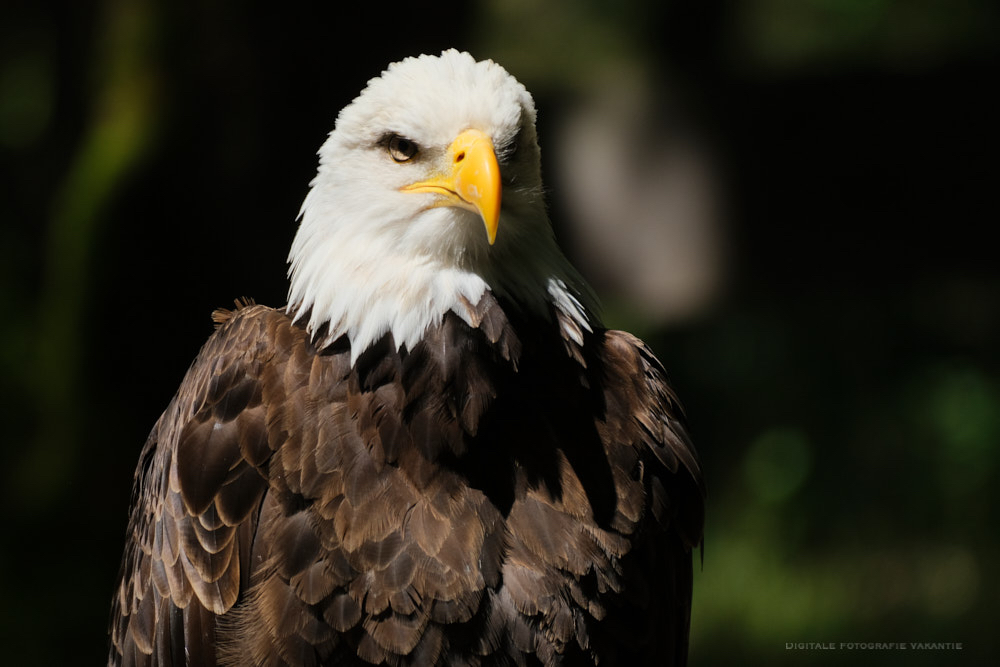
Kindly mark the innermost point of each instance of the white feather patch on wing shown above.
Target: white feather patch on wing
(569, 304)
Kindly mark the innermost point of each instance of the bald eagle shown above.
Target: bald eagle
(434, 454)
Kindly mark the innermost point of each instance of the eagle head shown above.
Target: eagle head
(428, 193)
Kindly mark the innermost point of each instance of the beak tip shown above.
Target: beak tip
(491, 220)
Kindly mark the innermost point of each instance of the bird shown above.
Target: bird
(434, 453)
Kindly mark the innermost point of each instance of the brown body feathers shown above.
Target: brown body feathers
(497, 495)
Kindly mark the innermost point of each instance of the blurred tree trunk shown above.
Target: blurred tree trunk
(120, 129)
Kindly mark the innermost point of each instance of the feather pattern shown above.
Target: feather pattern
(489, 497)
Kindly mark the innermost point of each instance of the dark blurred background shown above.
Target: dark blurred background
(794, 201)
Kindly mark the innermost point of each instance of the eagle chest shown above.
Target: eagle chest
(431, 488)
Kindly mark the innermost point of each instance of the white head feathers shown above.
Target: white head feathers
(370, 258)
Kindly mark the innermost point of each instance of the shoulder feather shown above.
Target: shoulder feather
(637, 387)
(196, 488)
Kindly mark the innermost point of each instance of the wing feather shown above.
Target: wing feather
(197, 484)
(655, 408)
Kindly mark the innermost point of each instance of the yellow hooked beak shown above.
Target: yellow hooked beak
(471, 180)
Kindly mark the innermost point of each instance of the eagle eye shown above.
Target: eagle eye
(401, 149)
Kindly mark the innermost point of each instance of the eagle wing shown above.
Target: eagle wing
(644, 413)
(196, 495)
(648, 412)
